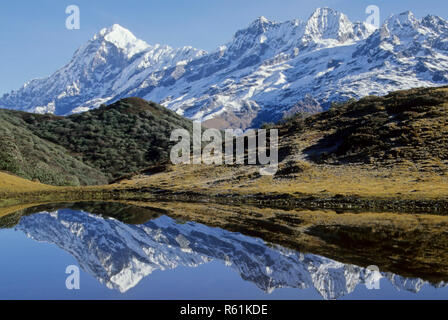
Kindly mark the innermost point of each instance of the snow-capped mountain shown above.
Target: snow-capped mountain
(265, 71)
(120, 255)
(110, 63)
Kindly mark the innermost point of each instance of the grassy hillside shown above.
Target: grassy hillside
(10, 182)
(404, 172)
(25, 154)
(410, 125)
(124, 137)
(93, 147)
(392, 147)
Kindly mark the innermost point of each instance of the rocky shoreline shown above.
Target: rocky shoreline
(303, 201)
(338, 203)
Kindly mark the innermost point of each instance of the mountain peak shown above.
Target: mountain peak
(403, 19)
(258, 26)
(324, 11)
(122, 38)
(325, 14)
(435, 23)
(261, 20)
(407, 15)
(114, 30)
(327, 23)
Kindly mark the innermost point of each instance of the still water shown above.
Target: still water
(130, 254)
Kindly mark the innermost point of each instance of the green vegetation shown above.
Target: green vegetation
(409, 125)
(31, 157)
(391, 146)
(93, 147)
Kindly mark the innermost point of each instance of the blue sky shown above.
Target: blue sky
(34, 41)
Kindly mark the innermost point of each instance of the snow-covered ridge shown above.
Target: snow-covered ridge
(120, 255)
(265, 70)
(112, 61)
(123, 39)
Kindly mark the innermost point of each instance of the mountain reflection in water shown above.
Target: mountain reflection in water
(120, 255)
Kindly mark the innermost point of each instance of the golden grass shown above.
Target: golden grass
(365, 181)
(10, 183)
(357, 180)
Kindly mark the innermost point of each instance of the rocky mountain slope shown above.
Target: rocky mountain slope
(120, 255)
(409, 126)
(264, 72)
